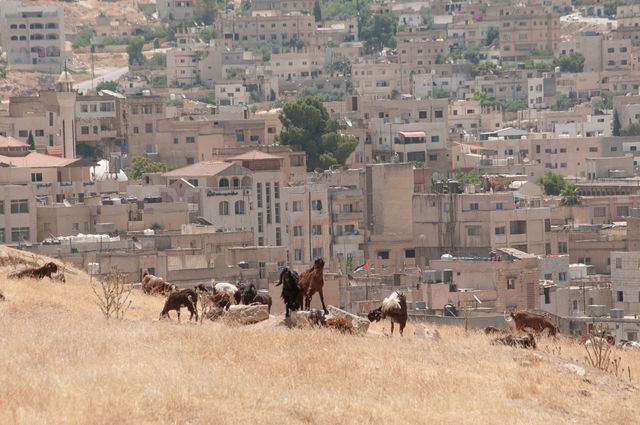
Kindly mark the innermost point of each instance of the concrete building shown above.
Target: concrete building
(17, 207)
(33, 38)
(624, 281)
(601, 53)
(179, 10)
(264, 27)
(347, 226)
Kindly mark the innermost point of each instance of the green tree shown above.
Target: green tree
(379, 33)
(340, 65)
(235, 73)
(563, 103)
(469, 178)
(485, 68)
(516, 105)
(492, 35)
(83, 37)
(616, 124)
(141, 165)
(485, 99)
(158, 59)
(553, 184)
(88, 151)
(31, 142)
(134, 50)
(317, 11)
(632, 130)
(209, 98)
(205, 11)
(307, 124)
(570, 195)
(107, 85)
(573, 62)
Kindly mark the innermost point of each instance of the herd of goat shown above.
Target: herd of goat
(297, 292)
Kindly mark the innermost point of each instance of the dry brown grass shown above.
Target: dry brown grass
(62, 362)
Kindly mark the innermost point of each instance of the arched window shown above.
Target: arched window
(14, 27)
(23, 37)
(239, 207)
(236, 182)
(52, 36)
(224, 182)
(223, 208)
(14, 37)
(246, 182)
(52, 25)
(23, 26)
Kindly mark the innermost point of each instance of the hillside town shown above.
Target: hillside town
(482, 156)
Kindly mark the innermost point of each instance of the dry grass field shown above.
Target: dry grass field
(63, 363)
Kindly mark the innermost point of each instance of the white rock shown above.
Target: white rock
(426, 333)
(575, 369)
(360, 325)
(245, 314)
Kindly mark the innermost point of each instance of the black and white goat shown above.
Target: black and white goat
(395, 308)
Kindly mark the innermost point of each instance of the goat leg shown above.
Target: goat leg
(391, 327)
(324, 307)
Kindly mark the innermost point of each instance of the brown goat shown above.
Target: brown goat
(534, 321)
(185, 298)
(262, 298)
(154, 285)
(312, 281)
(36, 273)
(525, 342)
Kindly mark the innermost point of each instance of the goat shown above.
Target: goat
(262, 298)
(201, 288)
(154, 285)
(36, 273)
(491, 330)
(246, 293)
(525, 342)
(225, 287)
(395, 308)
(534, 321)
(312, 281)
(291, 290)
(185, 298)
(2, 298)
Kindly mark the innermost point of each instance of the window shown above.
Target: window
(435, 139)
(547, 225)
(297, 254)
(19, 234)
(84, 129)
(224, 182)
(562, 247)
(1, 207)
(620, 296)
(562, 276)
(39, 133)
(23, 133)
(136, 130)
(316, 205)
(277, 212)
(548, 276)
(593, 149)
(622, 211)
(438, 114)
(260, 222)
(410, 253)
(240, 136)
(297, 231)
(75, 227)
(148, 128)
(316, 229)
(511, 283)
(259, 193)
(107, 107)
(474, 206)
(175, 141)
(36, 177)
(499, 206)
(383, 255)
(276, 190)
(433, 157)
(296, 206)
(236, 182)
(223, 208)
(191, 139)
(20, 206)
(422, 114)
(278, 236)
(2, 239)
(500, 230)
(618, 262)
(518, 227)
(599, 211)
(473, 230)
(547, 295)
(239, 208)
(261, 241)
(317, 252)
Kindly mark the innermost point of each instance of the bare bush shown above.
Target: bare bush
(112, 295)
(599, 351)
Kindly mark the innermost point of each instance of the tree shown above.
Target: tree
(570, 195)
(158, 59)
(516, 105)
(573, 62)
(485, 68)
(492, 35)
(484, 99)
(205, 11)
(632, 130)
(340, 65)
(307, 124)
(31, 141)
(134, 50)
(107, 85)
(83, 38)
(553, 184)
(616, 124)
(379, 33)
(317, 11)
(142, 165)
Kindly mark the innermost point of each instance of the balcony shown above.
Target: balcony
(347, 216)
(348, 239)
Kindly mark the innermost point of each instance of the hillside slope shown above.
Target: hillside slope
(62, 362)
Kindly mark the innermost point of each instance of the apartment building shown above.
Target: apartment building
(593, 126)
(470, 117)
(98, 119)
(289, 5)
(525, 29)
(420, 53)
(179, 10)
(183, 67)
(143, 111)
(347, 226)
(106, 26)
(601, 52)
(624, 281)
(449, 79)
(17, 207)
(511, 276)
(263, 27)
(33, 38)
(376, 80)
(473, 224)
(305, 64)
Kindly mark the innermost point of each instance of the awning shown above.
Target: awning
(412, 134)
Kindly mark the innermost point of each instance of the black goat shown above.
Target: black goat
(202, 288)
(262, 298)
(290, 290)
(185, 298)
(246, 293)
(35, 272)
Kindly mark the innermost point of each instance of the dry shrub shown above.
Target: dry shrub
(112, 295)
(599, 352)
